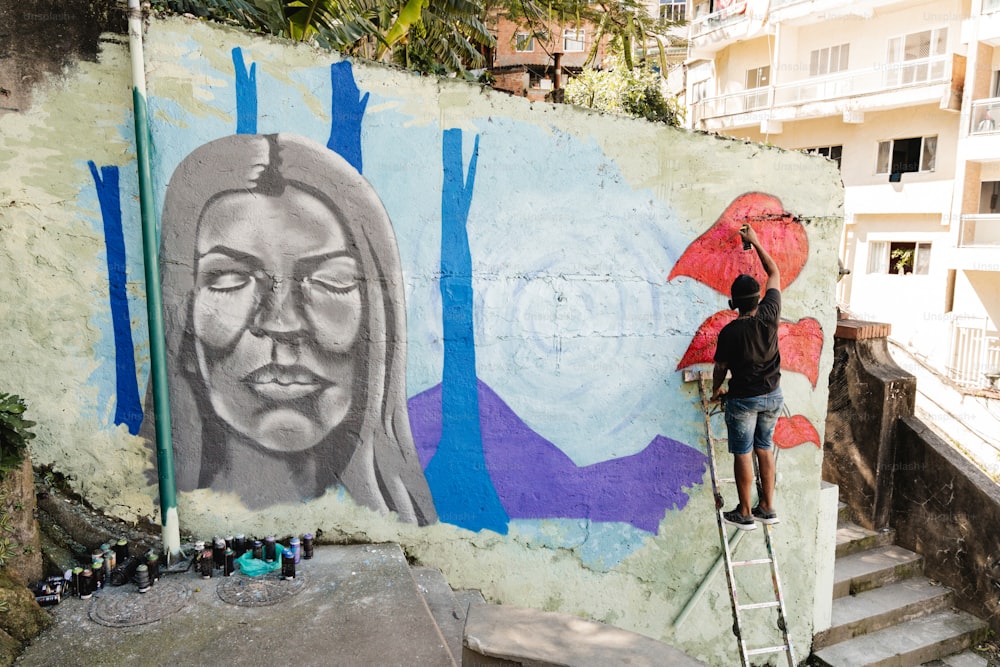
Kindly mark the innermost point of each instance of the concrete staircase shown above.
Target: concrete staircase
(886, 613)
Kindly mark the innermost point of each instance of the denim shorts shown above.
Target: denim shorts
(750, 421)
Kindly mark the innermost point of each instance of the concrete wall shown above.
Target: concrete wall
(406, 308)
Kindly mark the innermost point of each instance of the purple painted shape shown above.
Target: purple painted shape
(535, 480)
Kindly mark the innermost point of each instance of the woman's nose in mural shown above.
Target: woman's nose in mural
(279, 314)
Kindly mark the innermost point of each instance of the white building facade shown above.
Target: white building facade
(905, 97)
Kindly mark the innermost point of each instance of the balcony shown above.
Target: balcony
(974, 357)
(979, 230)
(911, 82)
(991, 6)
(713, 32)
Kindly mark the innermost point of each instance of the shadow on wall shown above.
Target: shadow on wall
(41, 37)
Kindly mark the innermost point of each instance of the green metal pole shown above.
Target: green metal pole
(154, 299)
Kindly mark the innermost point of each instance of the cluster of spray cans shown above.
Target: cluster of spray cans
(112, 565)
(222, 553)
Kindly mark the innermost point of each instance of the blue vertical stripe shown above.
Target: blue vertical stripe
(460, 482)
(347, 109)
(128, 409)
(246, 94)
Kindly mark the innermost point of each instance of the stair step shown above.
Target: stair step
(447, 610)
(964, 659)
(852, 538)
(873, 568)
(907, 644)
(873, 610)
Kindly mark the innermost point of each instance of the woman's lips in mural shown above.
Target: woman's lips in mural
(285, 382)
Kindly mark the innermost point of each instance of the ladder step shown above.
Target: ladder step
(770, 649)
(755, 561)
(759, 605)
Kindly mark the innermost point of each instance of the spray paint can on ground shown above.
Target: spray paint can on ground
(229, 563)
(218, 552)
(287, 564)
(153, 565)
(86, 585)
(296, 546)
(258, 550)
(142, 578)
(75, 586)
(307, 546)
(240, 545)
(206, 564)
(121, 549)
(97, 571)
(270, 549)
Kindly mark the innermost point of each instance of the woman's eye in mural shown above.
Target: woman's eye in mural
(335, 276)
(228, 281)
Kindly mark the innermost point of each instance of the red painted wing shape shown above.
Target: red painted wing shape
(800, 344)
(716, 257)
(794, 431)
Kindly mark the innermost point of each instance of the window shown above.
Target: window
(829, 60)
(758, 77)
(899, 156)
(913, 58)
(903, 258)
(524, 42)
(672, 10)
(573, 41)
(832, 152)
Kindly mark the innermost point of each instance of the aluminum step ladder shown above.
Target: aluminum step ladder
(705, 392)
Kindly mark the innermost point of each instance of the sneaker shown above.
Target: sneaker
(734, 518)
(770, 518)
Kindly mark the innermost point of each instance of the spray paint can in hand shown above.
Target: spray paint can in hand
(746, 244)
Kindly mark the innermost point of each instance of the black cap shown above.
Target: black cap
(744, 286)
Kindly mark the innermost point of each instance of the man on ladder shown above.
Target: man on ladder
(747, 349)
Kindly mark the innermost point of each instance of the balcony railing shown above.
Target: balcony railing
(711, 22)
(851, 83)
(979, 230)
(990, 6)
(735, 103)
(974, 359)
(985, 116)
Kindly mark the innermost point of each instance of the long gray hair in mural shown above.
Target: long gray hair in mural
(285, 325)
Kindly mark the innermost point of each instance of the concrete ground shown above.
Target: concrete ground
(351, 605)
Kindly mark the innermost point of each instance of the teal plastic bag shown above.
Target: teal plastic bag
(254, 567)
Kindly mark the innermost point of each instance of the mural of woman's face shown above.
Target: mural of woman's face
(277, 312)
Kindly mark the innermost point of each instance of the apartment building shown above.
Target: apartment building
(534, 63)
(904, 97)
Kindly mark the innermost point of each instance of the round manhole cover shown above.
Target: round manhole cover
(125, 608)
(259, 591)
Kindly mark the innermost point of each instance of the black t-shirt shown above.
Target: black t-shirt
(749, 347)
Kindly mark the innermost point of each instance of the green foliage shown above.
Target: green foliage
(440, 36)
(14, 431)
(623, 90)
